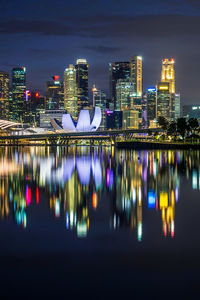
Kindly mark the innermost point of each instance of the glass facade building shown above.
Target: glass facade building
(4, 95)
(82, 83)
(117, 70)
(124, 90)
(18, 93)
(151, 104)
(130, 119)
(70, 91)
(99, 100)
(175, 107)
(54, 92)
(163, 100)
(136, 74)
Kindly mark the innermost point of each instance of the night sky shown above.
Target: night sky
(45, 36)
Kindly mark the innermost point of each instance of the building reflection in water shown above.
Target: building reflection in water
(73, 181)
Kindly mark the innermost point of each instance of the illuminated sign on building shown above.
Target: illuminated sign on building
(163, 88)
(151, 89)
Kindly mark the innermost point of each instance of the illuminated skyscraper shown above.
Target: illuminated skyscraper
(70, 91)
(117, 70)
(168, 73)
(124, 90)
(4, 95)
(18, 92)
(163, 100)
(99, 100)
(136, 74)
(175, 107)
(54, 94)
(82, 83)
(151, 105)
(130, 119)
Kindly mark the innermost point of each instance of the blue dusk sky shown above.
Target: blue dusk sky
(46, 36)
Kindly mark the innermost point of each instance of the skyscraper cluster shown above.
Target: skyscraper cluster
(128, 106)
(162, 100)
(136, 107)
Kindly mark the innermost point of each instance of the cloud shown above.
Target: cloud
(101, 27)
(41, 52)
(194, 3)
(32, 26)
(103, 49)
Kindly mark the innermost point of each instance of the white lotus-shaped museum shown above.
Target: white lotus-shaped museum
(85, 123)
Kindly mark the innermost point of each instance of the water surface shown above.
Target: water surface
(98, 222)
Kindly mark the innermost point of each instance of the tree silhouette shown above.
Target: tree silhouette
(193, 124)
(163, 122)
(182, 126)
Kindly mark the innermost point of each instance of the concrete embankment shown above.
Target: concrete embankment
(155, 145)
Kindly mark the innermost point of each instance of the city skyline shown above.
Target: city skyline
(91, 82)
(126, 99)
(47, 40)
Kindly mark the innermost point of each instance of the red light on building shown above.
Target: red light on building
(56, 78)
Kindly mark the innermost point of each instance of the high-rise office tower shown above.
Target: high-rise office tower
(151, 105)
(30, 107)
(18, 92)
(175, 107)
(124, 91)
(163, 100)
(82, 83)
(136, 74)
(99, 100)
(168, 73)
(4, 95)
(117, 70)
(70, 91)
(54, 94)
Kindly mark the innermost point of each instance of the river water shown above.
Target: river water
(95, 222)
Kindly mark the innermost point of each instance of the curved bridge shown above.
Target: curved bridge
(65, 138)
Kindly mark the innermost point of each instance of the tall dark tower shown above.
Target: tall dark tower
(4, 95)
(82, 83)
(117, 70)
(18, 92)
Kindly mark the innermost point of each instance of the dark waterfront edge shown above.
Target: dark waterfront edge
(155, 145)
